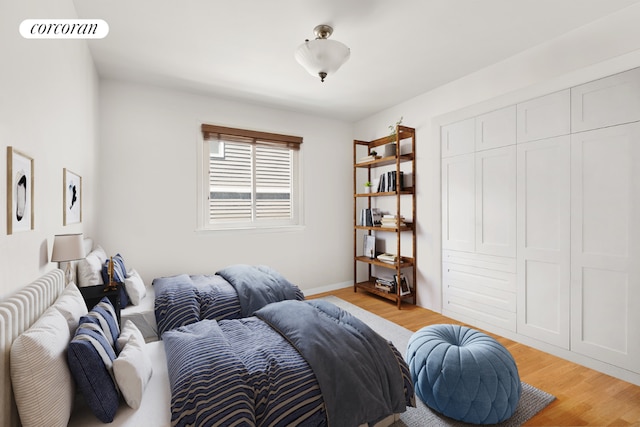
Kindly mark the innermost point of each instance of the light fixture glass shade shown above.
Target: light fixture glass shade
(322, 56)
(67, 247)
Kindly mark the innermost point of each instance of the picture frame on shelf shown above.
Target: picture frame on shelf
(402, 284)
(71, 197)
(369, 246)
(20, 195)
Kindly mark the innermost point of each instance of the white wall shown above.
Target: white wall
(48, 110)
(149, 142)
(604, 47)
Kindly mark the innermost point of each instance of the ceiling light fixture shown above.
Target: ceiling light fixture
(322, 56)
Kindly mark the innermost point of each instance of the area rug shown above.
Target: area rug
(531, 402)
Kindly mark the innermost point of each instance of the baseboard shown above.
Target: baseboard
(327, 288)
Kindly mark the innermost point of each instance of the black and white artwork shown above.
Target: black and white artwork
(72, 197)
(19, 191)
(403, 283)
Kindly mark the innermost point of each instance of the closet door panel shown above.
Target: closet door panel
(544, 117)
(543, 252)
(458, 202)
(458, 138)
(605, 279)
(606, 102)
(481, 287)
(496, 129)
(496, 201)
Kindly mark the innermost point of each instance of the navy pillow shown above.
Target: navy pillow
(119, 267)
(90, 358)
(119, 274)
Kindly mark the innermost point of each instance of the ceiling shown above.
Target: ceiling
(243, 49)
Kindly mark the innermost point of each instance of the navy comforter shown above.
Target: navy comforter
(306, 363)
(232, 293)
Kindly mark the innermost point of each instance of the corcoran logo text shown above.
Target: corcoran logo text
(64, 29)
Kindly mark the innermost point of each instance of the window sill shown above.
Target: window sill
(251, 230)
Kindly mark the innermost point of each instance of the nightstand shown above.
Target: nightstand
(93, 294)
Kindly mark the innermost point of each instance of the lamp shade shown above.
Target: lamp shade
(322, 56)
(67, 247)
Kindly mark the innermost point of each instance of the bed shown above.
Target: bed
(169, 302)
(32, 308)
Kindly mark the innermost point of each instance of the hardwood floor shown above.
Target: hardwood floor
(584, 397)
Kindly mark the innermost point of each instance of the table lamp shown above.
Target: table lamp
(67, 247)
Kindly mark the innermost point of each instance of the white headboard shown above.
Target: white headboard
(17, 314)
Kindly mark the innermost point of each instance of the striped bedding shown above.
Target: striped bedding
(239, 372)
(232, 293)
(243, 372)
(183, 300)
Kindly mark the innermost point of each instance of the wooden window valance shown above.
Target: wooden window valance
(250, 136)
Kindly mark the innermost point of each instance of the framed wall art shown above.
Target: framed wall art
(19, 191)
(72, 197)
(403, 284)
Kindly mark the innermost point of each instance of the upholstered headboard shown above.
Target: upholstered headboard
(17, 314)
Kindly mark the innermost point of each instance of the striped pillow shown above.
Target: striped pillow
(90, 357)
(42, 383)
(104, 315)
(119, 276)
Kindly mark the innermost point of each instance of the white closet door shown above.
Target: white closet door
(458, 202)
(496, 129)
(545, 117)
(496, 201)
(481, 287)
(605, 245)
(606, 102)
(458, 138)
(544, 239)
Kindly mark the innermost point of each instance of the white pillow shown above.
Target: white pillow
(89, 270)
(72, 306)
(128, 329)
(100, 253)
(42, 383)
(135, 288)
(132, 369)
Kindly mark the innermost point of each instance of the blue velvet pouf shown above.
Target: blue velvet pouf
(463, 374)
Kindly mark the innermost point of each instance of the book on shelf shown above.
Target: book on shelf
(366, 218)
(385, 282)
(385, 285)
(388, 182)
(392, 221)
(384, 288)
(369, 246)
(387, 257)
(370, 217)
(368, 158)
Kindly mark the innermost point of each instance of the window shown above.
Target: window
(250, 179)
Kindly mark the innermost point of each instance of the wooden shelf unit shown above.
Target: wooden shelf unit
(404, 138)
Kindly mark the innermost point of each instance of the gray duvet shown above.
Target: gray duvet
(360, 377)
